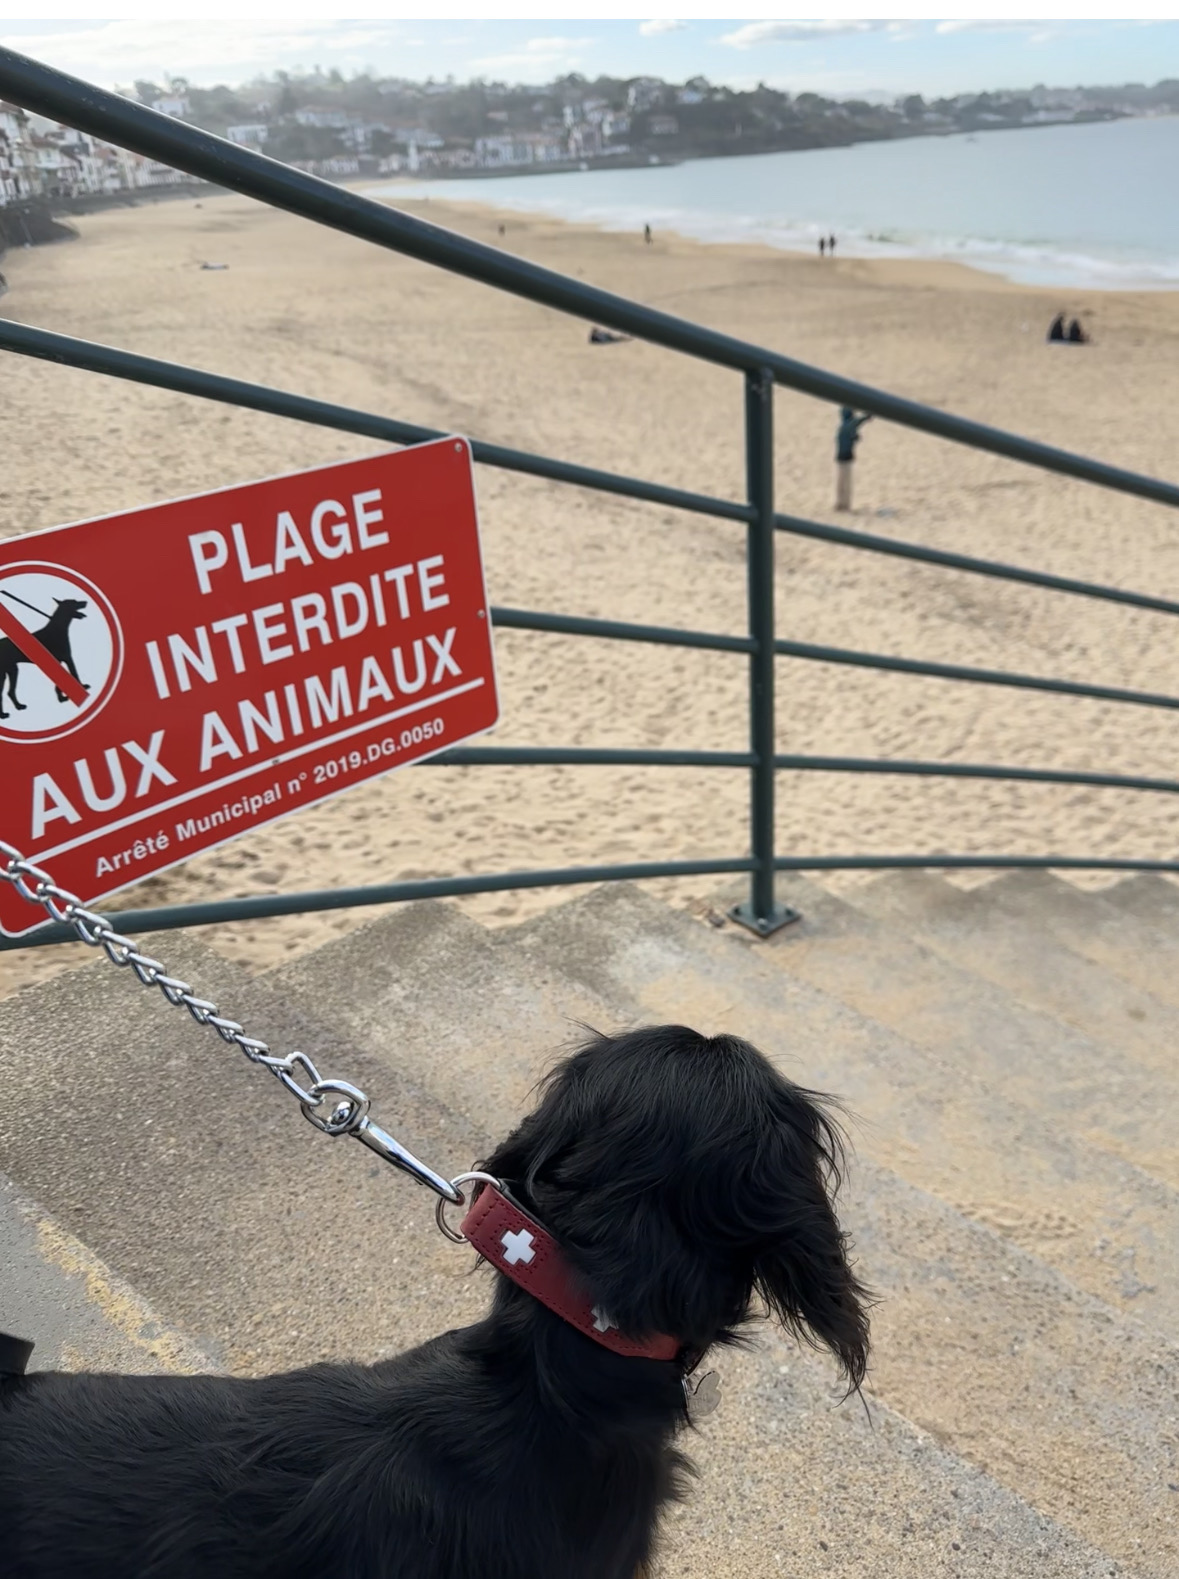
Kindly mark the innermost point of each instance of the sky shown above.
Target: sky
(843, 56)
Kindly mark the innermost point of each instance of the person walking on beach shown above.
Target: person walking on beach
(822, 246)
(647, 237)
(831, 245)
(846, 438)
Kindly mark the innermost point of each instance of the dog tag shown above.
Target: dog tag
(704, 1398)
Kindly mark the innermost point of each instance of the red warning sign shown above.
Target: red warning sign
(176, 675)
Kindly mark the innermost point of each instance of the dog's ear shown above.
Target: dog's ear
(802, 1268)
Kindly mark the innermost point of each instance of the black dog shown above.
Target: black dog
(683, 1178)
(54, 636)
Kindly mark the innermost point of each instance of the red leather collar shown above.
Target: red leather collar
(515, 1243)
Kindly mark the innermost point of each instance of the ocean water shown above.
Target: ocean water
(1093, 207)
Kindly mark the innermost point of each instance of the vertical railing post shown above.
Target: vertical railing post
(761, 912)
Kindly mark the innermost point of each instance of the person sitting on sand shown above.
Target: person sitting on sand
(1077, 335)
(1056, 331)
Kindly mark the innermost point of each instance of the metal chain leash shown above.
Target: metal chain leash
(336, 1107)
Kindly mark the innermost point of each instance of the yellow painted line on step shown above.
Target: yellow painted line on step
(118, 1305)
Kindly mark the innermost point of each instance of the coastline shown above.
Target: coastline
(897, 266)
(1009, 203)
(929, 273)
(302, 308)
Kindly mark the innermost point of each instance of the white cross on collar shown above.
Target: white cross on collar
(517, 1247)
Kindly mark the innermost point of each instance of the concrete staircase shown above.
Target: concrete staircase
(1008, 1054)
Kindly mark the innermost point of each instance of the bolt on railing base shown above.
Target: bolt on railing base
(763, 926)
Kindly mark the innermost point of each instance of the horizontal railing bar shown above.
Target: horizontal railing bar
(577, 755)
(617, 630)
(65, 350)
(897, 547)
(214, 911)
(89, 355)
(971, 770)
(954, 671)
(1064, 863)
(577, 625)
(107, 115)
(211, 912)
(605, 756)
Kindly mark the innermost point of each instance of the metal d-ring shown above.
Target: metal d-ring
(440, 1209)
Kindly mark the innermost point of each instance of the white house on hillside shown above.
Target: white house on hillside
(251, 135)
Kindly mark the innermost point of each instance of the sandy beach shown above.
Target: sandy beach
(304, 309)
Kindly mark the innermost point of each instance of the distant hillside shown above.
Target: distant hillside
(323, 119)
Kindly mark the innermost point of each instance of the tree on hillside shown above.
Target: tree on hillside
(294, 143)
(287, 100)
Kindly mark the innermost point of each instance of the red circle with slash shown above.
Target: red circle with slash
(61, 651)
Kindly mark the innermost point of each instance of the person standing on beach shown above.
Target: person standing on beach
(647, 237)
(822, 246)
(831, 245)
(846, 438)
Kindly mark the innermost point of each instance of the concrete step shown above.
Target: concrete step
(193, 1173)
(428, 986)
(794, 1482)
(978, 1341)
(1108, 1226)
(1141, 952)
(1001, 933)
(1071, 1081)
(1148, 896)
(81, 1316)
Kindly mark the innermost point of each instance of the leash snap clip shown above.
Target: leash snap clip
(440, 1210)
(346, 1107)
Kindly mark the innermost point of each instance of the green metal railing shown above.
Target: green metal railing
(38, 88)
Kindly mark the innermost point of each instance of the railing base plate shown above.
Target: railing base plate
(763, 926)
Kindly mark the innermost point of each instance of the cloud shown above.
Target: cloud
(985, 25)
(107, 52)
(539, 60)
(548, 46)
(755, 33)
(662, 24)
(1035, 32)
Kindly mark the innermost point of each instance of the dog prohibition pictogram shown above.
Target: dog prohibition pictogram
(61, 651)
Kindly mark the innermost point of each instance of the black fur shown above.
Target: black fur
(686, 1179)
